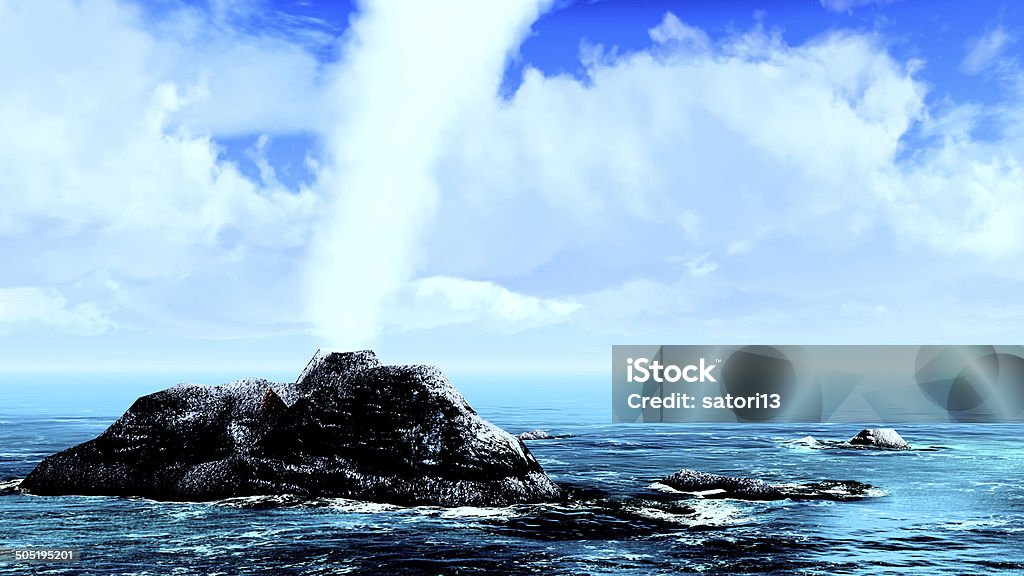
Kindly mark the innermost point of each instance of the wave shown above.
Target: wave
(10, 486)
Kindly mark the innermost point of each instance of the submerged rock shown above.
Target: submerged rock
(687, 480)
(880, 438)
(348, 427)
(714, 486)
(539, 435)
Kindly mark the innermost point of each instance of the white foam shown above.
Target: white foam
(670, 490)
(969, 525)
(805, 442)
(664, 488)
(719, 513)
(476, 512)
(359, 506)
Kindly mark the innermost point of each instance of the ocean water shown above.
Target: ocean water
(956, 506)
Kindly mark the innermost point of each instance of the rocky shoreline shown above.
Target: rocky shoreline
(350, 427)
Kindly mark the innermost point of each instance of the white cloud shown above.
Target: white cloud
(243, 85)
(985, 50)
(440, 301)
(577, 190)
(738, 247)
(697, 266)
(849, 5)
(673, 30)
(690, 222)
(753, 141)
(701, 265)
(33, 306)
(639, 308)
(105, 178)
(753, 138)
(961, 200)
(403, 84)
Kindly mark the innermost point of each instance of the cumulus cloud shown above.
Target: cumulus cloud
(754, 138)
(106, 179)
(440, 300)
(46, 307)
(783, 167)
(962, 201)
(672, 30)
(718, 149)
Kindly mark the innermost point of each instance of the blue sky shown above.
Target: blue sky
(512, 186)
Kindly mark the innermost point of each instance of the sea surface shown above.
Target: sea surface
(955, 506)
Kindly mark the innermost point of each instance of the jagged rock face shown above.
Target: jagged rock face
(715, 486)
(348, 427)
(880, 438)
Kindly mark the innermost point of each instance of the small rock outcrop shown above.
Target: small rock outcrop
(348, 427)
(714, 486)
(886, 438)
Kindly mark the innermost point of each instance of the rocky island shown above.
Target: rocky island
(348, 427)
(885, 438)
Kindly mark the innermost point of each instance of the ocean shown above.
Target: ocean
(954, 505)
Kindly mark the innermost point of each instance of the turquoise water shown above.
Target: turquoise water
(955, 508)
